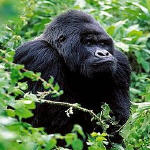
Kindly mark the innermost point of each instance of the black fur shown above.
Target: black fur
(66, 51)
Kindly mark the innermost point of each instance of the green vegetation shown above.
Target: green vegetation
(127, 21)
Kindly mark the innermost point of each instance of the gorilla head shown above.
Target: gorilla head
(83, 44)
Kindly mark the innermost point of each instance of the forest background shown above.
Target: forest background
(128, 23)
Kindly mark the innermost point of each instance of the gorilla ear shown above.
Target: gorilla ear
(37, 56)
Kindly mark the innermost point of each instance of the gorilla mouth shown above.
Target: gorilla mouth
(103, 62)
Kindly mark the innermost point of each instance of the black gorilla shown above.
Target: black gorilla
(80, 55)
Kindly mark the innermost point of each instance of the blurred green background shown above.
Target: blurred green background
(128, 23)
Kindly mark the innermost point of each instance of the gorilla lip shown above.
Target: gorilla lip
(110, 61)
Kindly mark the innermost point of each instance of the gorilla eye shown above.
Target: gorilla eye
(89, 42)
(102, 43)
(61, 39)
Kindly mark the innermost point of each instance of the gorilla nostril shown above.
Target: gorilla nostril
(107, 54)
(100, 54)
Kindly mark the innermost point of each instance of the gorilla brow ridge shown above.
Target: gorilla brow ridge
(97, 36)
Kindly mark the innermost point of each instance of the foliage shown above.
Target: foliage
(8, 9)
(128, 24)
(136, 131)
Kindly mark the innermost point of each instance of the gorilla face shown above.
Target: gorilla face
(83, 44)
(98, 51)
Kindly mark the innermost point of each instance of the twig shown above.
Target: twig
(74, 106)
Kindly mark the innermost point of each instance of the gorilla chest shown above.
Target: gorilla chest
(89, 91)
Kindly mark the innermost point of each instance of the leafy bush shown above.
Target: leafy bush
(128, 24)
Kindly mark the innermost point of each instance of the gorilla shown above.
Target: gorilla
(81, 56)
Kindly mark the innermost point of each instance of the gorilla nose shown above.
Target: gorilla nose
(102, 53)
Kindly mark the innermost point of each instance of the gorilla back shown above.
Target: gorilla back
(80, 55)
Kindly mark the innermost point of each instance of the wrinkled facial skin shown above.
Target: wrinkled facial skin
(84, 45)
(90, 53)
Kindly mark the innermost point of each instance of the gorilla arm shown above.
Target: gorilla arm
(119, 98)
(39, 56)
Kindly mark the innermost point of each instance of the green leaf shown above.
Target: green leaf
(111, 30)
(56, 87)
(51, 144)
(135, 33)
(120, 23)
(55, 94)
(79, 130)
(80, 3)
(51, 80)
(23, 112)
(146, 66)
(117, 147)
(77, 144)
(28, 74)
(122, 46)
(10, 112)
(95, 147)
(17, 92)
(22, 85)
(94, 134)
(29, 104)
(61, 92)
(100, 138)
(144, 9)
(69, 138)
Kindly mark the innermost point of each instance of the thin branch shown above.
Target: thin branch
(74, 106)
